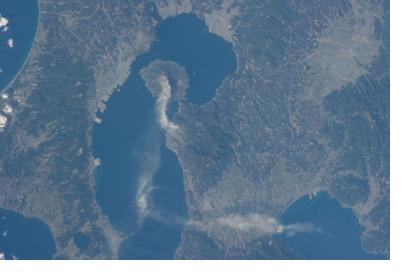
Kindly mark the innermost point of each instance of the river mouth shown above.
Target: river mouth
(18, 28)
(139, 183)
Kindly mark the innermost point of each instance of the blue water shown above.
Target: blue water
(207, 58)
(129, 140)
(337, 234)
(23, 17)
(24, 238)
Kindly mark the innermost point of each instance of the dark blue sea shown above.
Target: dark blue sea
(22, 16)
(131, 144)
(337, 230)
(24, 238)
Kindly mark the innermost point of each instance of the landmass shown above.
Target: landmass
(306, 110)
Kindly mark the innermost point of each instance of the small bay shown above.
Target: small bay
(337, 230)
(24, 238)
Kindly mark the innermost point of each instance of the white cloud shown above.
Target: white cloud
(10, 43)
(148, 161)
(3, 21)
(263, 224)
(162, 103)
(252, 222)
(3, 24)
(3, 121)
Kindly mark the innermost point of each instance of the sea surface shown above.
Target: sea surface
(22, 16)
(337, 230)
(131, 145)
(24, 238)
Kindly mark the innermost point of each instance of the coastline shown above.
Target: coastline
(29, 53)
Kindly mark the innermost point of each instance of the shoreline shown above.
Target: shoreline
(29, 53)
